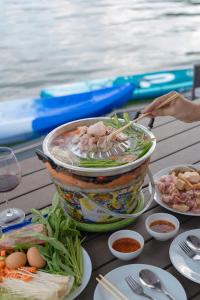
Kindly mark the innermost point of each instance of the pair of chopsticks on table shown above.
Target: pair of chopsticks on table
(107, 285)
(164, 103)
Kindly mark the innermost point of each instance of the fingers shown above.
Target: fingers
(168, 111)
(152, 108)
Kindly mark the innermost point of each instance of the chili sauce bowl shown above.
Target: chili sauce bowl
(162, 236)
(124, 234)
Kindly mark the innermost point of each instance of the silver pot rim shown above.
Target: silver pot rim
(92, 172)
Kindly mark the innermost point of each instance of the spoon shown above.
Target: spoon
(150, 279)
(193, 242)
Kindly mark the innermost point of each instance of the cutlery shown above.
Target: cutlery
(136, 287)
(150, 279)
(193, 242)
(189, 252)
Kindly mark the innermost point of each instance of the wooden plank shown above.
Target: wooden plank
(176, 143)
(29, 183)
(196, 297)
(154, 253)
(31, 165)
(172, 129)
(36, 199)
(158, 122)
(189, 155)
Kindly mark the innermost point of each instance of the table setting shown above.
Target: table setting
(105, 194)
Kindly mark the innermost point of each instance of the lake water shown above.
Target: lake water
(48, 42)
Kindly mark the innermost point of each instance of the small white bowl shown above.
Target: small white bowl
(125, 234)
(162, 216)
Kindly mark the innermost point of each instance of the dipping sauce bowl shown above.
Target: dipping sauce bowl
(126, 244)
(162, 226)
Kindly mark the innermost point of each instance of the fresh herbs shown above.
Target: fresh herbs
(62, 249)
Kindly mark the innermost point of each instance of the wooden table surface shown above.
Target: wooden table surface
(177, 143)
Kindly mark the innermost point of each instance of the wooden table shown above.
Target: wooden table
(177, 143)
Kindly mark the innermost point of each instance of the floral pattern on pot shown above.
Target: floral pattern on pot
(86, 207)
(99, 199)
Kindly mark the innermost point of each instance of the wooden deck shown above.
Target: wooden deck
(177, 143)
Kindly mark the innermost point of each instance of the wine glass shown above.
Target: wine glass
(10, 177)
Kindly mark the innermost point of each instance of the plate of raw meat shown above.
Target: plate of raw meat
(178, 189)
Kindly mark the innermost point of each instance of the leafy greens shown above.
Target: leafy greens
(62, 249)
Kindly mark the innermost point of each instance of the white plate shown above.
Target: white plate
(117, 277)
(157, 197)
(87, 267)
(185, 265)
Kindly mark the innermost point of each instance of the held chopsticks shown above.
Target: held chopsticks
(111, 288)
(164, 103)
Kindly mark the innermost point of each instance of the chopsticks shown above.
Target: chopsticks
(111, 288)
(164, 103)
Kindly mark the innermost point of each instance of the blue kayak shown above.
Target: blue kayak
(147, 86)
(26, 118)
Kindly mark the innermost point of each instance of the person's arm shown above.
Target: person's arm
(180, 108)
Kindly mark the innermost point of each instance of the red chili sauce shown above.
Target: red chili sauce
(162, 226)
(126, 245)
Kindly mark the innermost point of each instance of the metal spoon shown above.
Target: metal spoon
(193, 242)
(150, 279)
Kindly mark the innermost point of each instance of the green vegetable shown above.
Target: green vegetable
(116, 121)
(126, 117)
(62, 249)
(143, 149)
(100, 163)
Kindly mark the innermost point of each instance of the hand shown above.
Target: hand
(180, 108)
